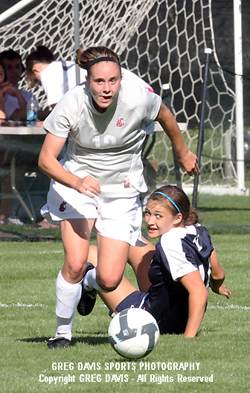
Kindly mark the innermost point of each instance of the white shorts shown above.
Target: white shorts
(116, 218)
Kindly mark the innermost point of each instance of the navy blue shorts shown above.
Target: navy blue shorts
(170, 320)
(135, 299)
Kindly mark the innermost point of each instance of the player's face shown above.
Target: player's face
(159, 220)
(13, 70)
(104, 83)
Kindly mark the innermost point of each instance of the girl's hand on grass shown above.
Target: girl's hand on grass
(223, 290)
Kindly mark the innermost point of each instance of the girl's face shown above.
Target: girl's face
(104, 83)
(2, 74)
(159, 219)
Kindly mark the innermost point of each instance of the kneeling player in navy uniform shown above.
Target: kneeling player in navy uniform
(174, 276)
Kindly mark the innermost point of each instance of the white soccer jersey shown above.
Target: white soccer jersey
(108, 145)
(184, 250)
(58, 78)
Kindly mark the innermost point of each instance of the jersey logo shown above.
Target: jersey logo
(63, 206)
(120, 122)
(150, 89)
(196, 242)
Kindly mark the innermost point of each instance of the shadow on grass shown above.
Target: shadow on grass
(220, 229)
(94, 339)
(32, 234)
(221, 209)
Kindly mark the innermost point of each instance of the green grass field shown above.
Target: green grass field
(219, 354)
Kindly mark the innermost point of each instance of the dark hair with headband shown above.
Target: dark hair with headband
(87, 58)
(174, 199)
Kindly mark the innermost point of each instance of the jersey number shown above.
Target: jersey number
(106, 140)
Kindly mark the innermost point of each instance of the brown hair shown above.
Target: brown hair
(41, 55)
(180, 203)
(84, 58)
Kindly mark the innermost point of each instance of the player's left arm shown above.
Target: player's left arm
(217, 276)
(197, 301)
(187, 159)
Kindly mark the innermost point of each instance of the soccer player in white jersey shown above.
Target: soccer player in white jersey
(59, 76)
(98, 184)
(179, 270)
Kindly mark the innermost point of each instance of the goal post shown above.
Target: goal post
(163, 42)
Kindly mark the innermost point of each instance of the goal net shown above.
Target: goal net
(163, 42)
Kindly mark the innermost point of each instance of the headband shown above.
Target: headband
(105, 58)
(170, 199)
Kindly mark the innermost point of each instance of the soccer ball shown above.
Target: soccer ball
(133, 333)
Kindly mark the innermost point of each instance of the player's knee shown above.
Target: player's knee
(108, 284)
(76, 269)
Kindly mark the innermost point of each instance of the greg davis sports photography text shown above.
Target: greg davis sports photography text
(117, 372)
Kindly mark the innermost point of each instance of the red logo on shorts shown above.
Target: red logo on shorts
(126, 184)
(120, 122)
(63, 206)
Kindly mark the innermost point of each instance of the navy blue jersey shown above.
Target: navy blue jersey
(178, 252)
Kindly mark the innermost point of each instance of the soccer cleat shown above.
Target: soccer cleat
(58, 342)
(88, 298)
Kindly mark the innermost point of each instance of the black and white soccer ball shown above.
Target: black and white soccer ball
(133, 333)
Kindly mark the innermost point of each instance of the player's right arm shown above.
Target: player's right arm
(49, 164)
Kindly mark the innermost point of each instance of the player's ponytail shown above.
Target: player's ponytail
(192, 218)
(174, 199)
